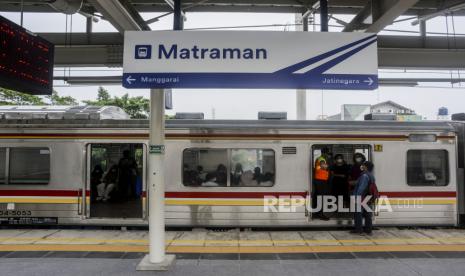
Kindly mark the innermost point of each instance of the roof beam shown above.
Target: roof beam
(430, 59)
(120, 14)
(358, 21)
(388, 11)
(257, 6)
(384, 41)
(382, 14)
(421, 58)
(285, 6)
(450, 9)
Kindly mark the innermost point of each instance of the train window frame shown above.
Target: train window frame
(228, 167)
(9, 162)
(252, 186)
(227, 154)
(447, 169)
(314, 147)
(4, 179)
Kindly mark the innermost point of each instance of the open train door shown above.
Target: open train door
(342, 177)
(116, 181)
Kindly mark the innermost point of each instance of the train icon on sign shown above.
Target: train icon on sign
(143, 52)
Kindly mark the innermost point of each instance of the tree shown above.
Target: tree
(135, 107)
(103, 95)
(55, 99)
(10, 97)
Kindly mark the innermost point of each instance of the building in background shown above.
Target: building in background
(351, 112)
(322, 117)
(443, 114)
(387, 110)
(390, 107)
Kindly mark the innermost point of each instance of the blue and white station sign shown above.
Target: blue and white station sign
(250, 59)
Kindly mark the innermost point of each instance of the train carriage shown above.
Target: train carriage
(47, 170)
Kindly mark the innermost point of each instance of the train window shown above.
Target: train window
(252, 167)
(29, 166)
(427, 168)
(205, 167)
(348, 151)
(2, 165)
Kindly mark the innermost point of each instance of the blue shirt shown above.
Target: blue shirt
(362, 184)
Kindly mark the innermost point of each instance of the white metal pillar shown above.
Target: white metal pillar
(157, 177)
(301, 94)
(156, 259)
(301, 104)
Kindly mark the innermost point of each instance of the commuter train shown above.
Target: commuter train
(50, 170)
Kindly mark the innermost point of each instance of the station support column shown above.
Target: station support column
(301, 94)
(156, 259)
(157, 177)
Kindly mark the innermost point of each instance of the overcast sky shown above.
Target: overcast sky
(244, 104)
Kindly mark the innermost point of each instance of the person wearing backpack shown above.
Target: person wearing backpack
(365, 183)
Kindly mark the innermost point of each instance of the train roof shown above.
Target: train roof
(56, 112)
(439, 126)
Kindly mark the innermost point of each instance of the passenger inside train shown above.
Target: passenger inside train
(107, 184)
(248, 167)
(339, 172)
(210, 180)
(118, 191)
(336, 169)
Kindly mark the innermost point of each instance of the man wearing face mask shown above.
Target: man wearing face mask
(339, 178)
(360, 191)
(355, 171)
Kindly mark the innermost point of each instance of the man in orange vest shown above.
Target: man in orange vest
(320, 181)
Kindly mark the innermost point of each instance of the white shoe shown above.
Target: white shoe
(99, 198)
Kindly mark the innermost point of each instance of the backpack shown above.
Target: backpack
(372, 190)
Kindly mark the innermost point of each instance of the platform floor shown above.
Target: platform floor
(201, 241)
(389, 251)
(332, 267)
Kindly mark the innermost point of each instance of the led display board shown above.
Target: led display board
(26, 60)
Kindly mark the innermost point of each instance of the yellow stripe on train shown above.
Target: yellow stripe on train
(226, 202)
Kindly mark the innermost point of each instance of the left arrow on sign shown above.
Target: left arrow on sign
(129, 79)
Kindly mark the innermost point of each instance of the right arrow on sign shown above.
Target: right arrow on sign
(369, 81)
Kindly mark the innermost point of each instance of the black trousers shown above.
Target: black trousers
(320, 189)
(358, 220)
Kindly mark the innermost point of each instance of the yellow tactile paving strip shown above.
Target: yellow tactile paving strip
(234, 249)
(92, 241)
(211, 242)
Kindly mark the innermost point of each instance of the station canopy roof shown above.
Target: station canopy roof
(420, 7)
(418, 51)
